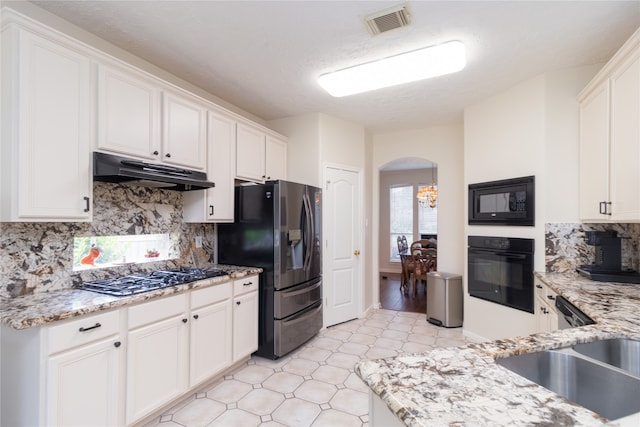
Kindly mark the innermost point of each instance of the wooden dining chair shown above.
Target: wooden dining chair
(424, 261)
(406, 263)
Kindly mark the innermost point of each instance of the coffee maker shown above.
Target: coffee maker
(608, 259)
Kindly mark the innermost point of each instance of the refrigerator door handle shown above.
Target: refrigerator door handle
(309, 231)
(289, 294)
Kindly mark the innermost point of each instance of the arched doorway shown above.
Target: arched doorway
(402, 214)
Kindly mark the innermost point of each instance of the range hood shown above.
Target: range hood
(110, 168)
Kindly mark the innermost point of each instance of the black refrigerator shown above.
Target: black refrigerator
(278, 228)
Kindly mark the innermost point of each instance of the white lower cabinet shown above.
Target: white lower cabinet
(245, 317)
(545, 309)
(157, 354)
(84, 371)
(67, 374)
(210, 346)
(83, 385)
(118, 367)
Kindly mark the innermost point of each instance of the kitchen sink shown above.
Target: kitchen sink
(620, 352)
(603, 389)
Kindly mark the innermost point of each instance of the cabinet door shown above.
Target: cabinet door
(625, 142)
(275, 158)
(245, 325)
(594, 155)
(220, 199)
(211, 342)
(156, 365)
(184, 131)
(83, 386)
(128, 113)
(215, 204)
(250, 153)
(53, 133)
(542, 315)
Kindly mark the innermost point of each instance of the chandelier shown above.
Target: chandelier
(428, 194)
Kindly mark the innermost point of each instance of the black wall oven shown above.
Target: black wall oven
(501, 271)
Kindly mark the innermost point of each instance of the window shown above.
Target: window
(401, 201)
(403, 207)
(108, 251)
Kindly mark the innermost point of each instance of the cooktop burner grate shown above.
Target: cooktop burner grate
(145, 282)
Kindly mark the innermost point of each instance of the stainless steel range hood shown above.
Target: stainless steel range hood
(110, 168)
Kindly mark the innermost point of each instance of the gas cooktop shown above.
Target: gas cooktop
(145, 282)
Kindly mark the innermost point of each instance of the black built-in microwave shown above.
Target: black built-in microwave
(504, 202)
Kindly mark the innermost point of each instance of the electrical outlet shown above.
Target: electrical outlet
(198, 240)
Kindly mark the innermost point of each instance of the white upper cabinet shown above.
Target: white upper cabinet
(250, 153)
(46, 129)
(62, 99)
(128, 113)
(138, 116)
(275, 158)
(215, 204)
(594, 154)
(625, 141)
(259, 155)
(184, 127)
(610, 140)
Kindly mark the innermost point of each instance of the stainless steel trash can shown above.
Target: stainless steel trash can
(444, 299)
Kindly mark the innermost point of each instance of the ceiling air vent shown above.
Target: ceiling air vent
(387, 20)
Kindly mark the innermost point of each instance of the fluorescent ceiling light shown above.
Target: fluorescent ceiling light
(406, 67)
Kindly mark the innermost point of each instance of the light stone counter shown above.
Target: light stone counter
(464, 386)
(46, 307)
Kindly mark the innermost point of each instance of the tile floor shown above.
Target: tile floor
(315, 385)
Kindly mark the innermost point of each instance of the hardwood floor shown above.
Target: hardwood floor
(392, 298)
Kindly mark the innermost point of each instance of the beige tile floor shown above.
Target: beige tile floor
(315, 385)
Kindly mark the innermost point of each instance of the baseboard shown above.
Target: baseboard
(473, 336)
(371, 308)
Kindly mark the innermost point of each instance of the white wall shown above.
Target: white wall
(562, 142)
(442, 145)
(342, 142)
(530, 129)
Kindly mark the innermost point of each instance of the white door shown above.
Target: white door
(342, 249)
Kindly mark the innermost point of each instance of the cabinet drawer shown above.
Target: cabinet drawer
(153, 311)
(246, 284)
(82, 331)
(210, 295)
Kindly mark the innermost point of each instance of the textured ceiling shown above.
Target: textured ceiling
(265, 56)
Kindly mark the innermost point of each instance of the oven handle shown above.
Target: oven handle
(287, 294)
(515, 255)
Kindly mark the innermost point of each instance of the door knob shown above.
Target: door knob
(356, 252)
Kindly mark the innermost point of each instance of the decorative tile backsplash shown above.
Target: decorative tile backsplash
(38, 257)
(566, 246)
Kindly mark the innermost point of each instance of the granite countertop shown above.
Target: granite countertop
(46, 307)
(464, 385)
